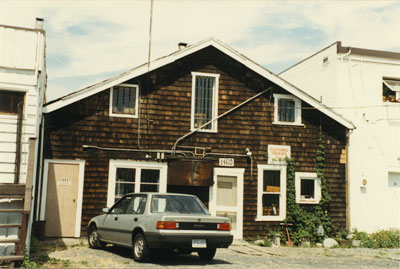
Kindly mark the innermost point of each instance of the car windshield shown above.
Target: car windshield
(177, 204)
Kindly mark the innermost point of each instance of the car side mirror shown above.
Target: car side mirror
(106, 210)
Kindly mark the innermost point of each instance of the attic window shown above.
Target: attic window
(204, 101)
(287, 109)
(391, 90)
(124, 101)
(9, 102)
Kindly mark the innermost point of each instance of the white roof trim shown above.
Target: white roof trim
(140, 70)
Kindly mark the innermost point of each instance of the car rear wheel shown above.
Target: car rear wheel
(207, 254)
(94, 239)
(140, 250)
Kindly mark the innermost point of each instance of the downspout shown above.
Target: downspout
(348, 220)
(214, 119)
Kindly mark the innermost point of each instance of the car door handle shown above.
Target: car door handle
(116, 218)
(135, 219)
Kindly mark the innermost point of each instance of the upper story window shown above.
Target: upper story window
(204, 100)
(287, 109)
(9, 102)
(271, 198)
(308, 188)
(391, 90)
(124, 101)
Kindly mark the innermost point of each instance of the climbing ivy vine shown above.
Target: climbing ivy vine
(305, 223)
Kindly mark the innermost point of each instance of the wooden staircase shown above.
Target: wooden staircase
(22, 192)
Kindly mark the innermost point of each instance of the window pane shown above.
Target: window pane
(125, 174)
(286, 110)
(272, 181)
(124, 100)
(307, 189)
(270, 204)
(9, 101)
(122, 205)
(226, 191)
(123, 188)
(150, 175)
(204, 90)
(149, 187)
(124, 182)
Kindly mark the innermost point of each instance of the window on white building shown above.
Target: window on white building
(124, 101)
(391, 90)
(271, 199)
(9, 102)
(287, 109)
(204, 101)
(129, 177)
(308, 188)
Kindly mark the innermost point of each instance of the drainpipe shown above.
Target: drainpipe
(348, 219)
(220, 116)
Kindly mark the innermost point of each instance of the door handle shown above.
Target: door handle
(135, 219)
(116, 218)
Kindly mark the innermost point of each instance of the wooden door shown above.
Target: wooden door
(61, 199)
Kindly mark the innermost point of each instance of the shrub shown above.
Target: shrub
(380, 239)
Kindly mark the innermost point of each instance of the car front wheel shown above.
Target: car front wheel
(140, 250)
(94, 239)
(207, 254)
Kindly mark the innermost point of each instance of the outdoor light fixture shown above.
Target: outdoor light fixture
(248, 152)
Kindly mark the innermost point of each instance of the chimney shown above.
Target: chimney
(182, 45)
(39, 23)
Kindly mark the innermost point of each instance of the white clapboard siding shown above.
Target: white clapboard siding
(7, 146)
(7, 167)
(18, 48)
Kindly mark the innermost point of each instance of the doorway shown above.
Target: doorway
(62, 204)
(226, 197)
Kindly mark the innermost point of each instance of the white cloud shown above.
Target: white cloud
(88, 38)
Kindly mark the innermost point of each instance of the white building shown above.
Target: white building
(363, 86)
(22, 86)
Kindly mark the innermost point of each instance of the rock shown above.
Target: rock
(319, 245)
(350, 236)
(356, 243)
(330, 242)
(259, 242)
(306, 244)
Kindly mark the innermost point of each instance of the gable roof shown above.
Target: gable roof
(142, 69)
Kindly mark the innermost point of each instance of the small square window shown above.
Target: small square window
(287, 109)
(9, 102)
(391, 90)
(124, 101)
(308, 188)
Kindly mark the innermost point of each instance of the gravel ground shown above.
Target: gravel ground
(77, 254)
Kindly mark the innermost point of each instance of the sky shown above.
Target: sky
(89, 41)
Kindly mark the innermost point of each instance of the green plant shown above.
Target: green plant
(305, 223)
(380, 239)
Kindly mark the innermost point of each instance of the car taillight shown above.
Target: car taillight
(223, 226)
(167, 225)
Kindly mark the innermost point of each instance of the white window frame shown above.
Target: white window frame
(214, 124)
(112, 171)
(317, 187)
(282, 199)
(297, 110)
(112, 114)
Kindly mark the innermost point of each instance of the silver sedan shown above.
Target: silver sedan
(149, 221)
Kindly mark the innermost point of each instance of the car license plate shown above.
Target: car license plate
(199, 243)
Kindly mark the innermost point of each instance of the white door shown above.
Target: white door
(226, 197)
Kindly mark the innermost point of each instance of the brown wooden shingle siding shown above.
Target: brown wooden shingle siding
(165, 113)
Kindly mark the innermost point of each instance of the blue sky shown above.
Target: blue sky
(89, 41)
